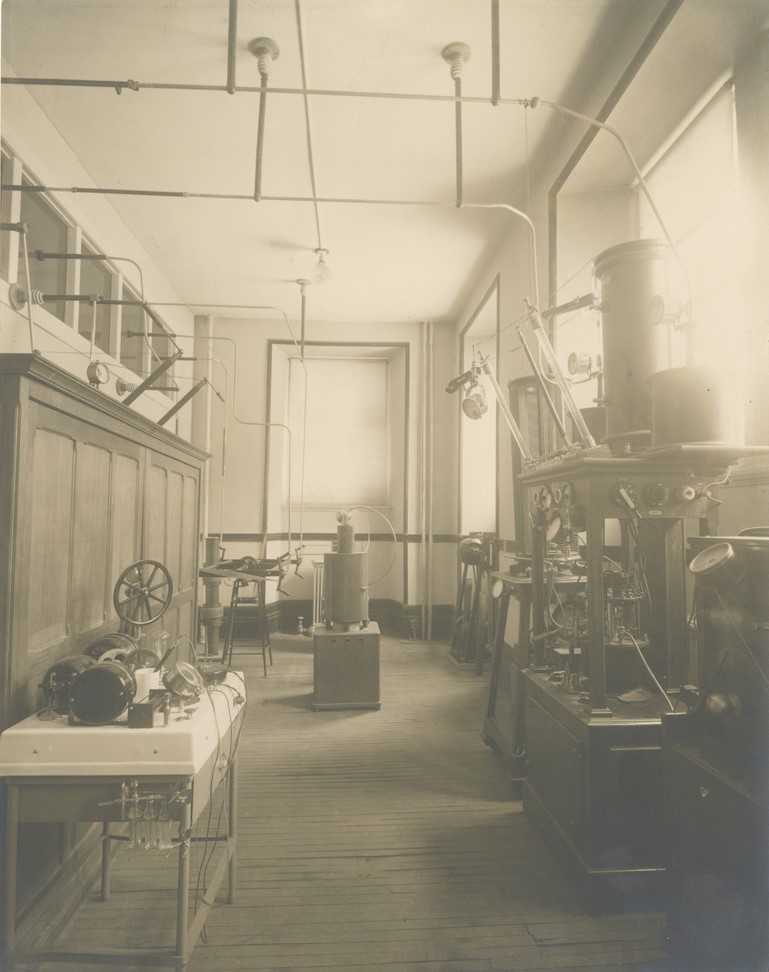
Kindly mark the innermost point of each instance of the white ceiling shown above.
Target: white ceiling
(390, 262)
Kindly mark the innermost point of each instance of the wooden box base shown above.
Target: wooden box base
(346, 669)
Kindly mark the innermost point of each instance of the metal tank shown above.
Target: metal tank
(345, 578)
(637, 325)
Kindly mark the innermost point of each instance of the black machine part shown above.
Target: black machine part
(57, 681)
(100, 694)
(108, 642)
(143, 592)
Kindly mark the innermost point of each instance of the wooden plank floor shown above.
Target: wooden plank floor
(373, 840)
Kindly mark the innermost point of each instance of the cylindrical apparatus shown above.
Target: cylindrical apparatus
(101, 693)
(694, 404)
(637, 331)
(345, 580)
(58, 679)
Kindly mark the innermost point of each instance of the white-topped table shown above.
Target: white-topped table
(61, 773)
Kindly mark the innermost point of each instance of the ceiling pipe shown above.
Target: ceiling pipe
(456, 56)
(14, 187)
(232, 35)
(495, 84)
(266, 50)
(251, 89)
(303, 285)
(42, 255)
(332, 199)
(599, 124)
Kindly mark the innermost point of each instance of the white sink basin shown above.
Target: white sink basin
(35, 747)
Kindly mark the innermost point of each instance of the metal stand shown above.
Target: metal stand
(78, 799)
(259, 599)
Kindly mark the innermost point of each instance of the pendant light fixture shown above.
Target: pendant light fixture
(322, 271)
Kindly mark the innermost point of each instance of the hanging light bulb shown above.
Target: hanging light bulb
(322, 271)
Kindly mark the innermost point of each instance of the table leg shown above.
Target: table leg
(183, 882)
(9, 885)
(232, 829)
(105, 861)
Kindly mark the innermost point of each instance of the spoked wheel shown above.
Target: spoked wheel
(143, 592)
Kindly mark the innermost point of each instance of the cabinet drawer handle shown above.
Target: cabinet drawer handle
(704, 792)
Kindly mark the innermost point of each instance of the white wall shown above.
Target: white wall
(246, 361)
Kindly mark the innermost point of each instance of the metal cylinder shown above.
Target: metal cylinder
(345, 538)
(101, 693)
(345, 588)
(693, 404)
(637, 326)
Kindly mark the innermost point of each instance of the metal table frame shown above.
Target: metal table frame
(72, 794)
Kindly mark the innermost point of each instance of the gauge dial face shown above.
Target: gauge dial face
(97, 372)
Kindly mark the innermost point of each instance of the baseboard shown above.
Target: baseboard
(398, 620)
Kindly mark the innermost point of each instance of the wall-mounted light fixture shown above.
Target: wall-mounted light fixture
(474, 403)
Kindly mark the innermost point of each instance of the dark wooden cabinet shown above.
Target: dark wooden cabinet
(717, 811)
(594, 791)
(87, 486)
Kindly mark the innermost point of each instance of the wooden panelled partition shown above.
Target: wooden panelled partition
(87, 487)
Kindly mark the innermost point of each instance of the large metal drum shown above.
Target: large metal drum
(695, 404)
(58, 679)
(345, 587)
(115, 642)
(636, 313)
(101, 694)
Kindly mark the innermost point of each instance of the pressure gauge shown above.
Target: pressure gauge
(97, 372)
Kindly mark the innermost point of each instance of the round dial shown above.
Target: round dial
(97, 372)
(497, 587)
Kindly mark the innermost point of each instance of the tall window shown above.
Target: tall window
(346, 443)
(695, 186)
(95, 278)
(5, 212)
(47, 232)
(132, 344)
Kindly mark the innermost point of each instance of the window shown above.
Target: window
(47, 232)
(95, 278)
(346, 446)
(132, 345)
(695, 185)
(162, 348)
(50, 231)
(6, 175)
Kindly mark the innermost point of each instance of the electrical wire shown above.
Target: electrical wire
(651, 673)
(723, 481)
(29, 290)
(210, 843)
(641, 561)
(308, 127)
(734, 624)
(373, 509)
